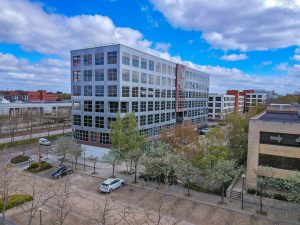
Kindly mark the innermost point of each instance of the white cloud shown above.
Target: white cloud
(162, 46)
(296, 57)
(232, 24)
(234, 57)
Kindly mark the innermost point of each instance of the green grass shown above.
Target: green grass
(15, 200)
(27, 142)
(35, 168)
(19, 159)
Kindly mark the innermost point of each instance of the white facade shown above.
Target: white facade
(220, 105)
(254, 99)
(241, 104)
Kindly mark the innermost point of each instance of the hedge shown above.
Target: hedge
(19, 159)
(35, 168)
(15, 200)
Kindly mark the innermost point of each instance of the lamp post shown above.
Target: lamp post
(84, 159)
(40, 211)
(243, 184)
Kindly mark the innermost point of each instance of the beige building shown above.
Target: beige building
(274, 142)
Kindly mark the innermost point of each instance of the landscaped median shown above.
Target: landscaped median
(19, 159)
(36, 168)
(15, 200)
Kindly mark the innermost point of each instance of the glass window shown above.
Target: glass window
(99, 75)
(99, 90)
(135, 107)
(143, 63)
(143, 106)
(143, 120)
(125, 91)
(143, 92)
(157, 93)
(76, 90)
(150, 92)
(135, 92)
(88, 75)
(157, 105)
(164, 68)
(81, 135)
(150, 106)
(76, 75)
(76, 60)
(163, 105)
(88, 106)
(156, 118)
(135, 76)
(163, 117)
(124, 107)
(113, 107)
(158, 67)
(163, 93)
(88, 90)
(151, 65)
(125, 75)
(164, 81)
(99, 122)
(88, 121)
(157, 80)
(112, 57)
(112, 74)
(150, 119)
(169, 93)
(88, 60)
(126, 58)
(77, 120)
(144, 78)
(99, 58)
(135, 61)
(151, 79)
(112, 91)
(76, 105)
(99, 106)
(104, 138)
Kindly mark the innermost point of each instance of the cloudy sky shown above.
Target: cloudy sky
(241, 44)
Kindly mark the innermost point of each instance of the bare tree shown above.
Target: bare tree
(13, 121)
(3, 119)
(30, 120)
(7, 187)
(113, 157)
(40, 195)
(76, 152)
(93, 159)
(63, 202)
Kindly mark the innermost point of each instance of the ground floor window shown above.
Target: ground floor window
(104, 138)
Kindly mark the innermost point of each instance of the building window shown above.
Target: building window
(88, 106)
(280, 139)
(157, 104)
(76, 105)
(151, 79)
(143, 106)
(88, 60)
(135, 76)
(112, 57)
(158, 67)
(125, 91)
(169, 104)
(88, 90)
(76, 90)
(143, 63)
(143, 120)
(150, 92)
(93, 136)
(81, 135)
(135, 92)
(76, 75)
(99, 106)
(124, 107)
(150, 119)
(169, 93)
(104, 138)
(110, 120)
(99, 75)
(126, 58)
(76, 60)
(164, 68)
(150, 106)
(77, 120)
(163, 105)
(218, 99)
(157, 93)
(156, 118)
(88, 121)
(163, 93)
(144, 78)
(112, 91)
(113, 107)
(163, 117)
(112, 74)
(135, 107)
(168, 116)
(164, 81)
(135, 61)
(99, 90)
(99, 58)
(99, 122)
(151, 65)
(157, 80)
(88, 75)
(280, 162)
(143, 92)
(125, 75)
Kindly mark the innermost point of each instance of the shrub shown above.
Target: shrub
(35, 168)
(19, 159)
(15, 200)
(251, 191)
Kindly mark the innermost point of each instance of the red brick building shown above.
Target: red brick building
(30, 96)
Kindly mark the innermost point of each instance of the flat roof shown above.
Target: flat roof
(280, 117)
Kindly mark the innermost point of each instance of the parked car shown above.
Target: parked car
(44, 141)
(111, 184)
(61, 171)
(203, 131)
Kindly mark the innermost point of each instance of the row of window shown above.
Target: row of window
(100, 121)
(112, 75)
(192, 94)
(191, 104)
(219, 99)
(112, 58)
(219, 104)
(280, 139)
(280, 162)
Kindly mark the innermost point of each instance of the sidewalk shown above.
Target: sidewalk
(277, 210)
(26, 137)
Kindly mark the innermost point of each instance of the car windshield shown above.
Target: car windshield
(105, 185)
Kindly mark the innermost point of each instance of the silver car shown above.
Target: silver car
(44, 141)
(111, 184)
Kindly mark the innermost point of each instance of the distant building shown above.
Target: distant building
(274, 141)
(29, 96)
(239, 100)
(220, 105)
(255, 99)
(116, 78)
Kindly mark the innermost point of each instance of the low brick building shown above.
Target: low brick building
(29, 96)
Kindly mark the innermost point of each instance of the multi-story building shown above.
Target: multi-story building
(255, 99)
(239, 100)
(220, 105)
(115, 78)
(29, 96)
(274, 142)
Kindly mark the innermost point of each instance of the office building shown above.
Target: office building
(29, 96)
(274, 142)
(220, 105)
(115, 78)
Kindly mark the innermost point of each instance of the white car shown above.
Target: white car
(44, 141)
(111, 184)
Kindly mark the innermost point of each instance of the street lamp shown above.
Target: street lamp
(84, 159)
(243, 184)
(40, 211)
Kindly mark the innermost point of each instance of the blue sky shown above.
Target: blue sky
(241, 46)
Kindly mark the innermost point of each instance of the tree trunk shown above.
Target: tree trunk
(63, 159)
(188, 188)
(75, 163)
(222, 201)
(113, 167)
(135, 171)
(94, 167)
